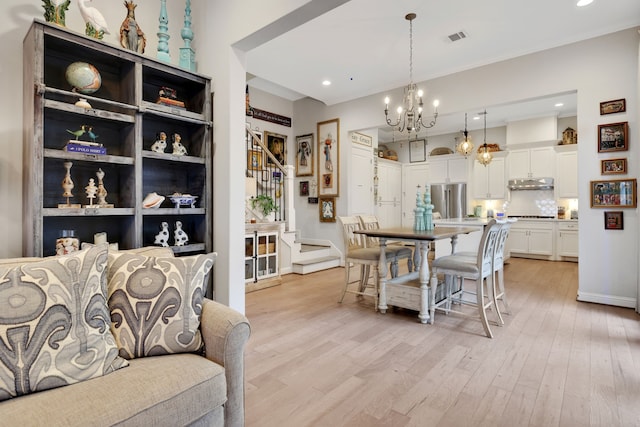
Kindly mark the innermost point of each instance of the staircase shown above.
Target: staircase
(296, 255)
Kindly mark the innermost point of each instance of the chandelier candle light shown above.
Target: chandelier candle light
(408, 118)
(484, 155)
(466, 146)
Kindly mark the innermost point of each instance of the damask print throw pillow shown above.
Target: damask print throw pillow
(156, 302)
(55, 323)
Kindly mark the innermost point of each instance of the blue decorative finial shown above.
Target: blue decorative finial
(163, 33)
(187, 54)
(418, 218)
(428, 209)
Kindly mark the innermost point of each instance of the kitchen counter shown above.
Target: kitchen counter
(470, 222)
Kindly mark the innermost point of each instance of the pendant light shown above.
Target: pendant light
(484, 155)
(465, 147)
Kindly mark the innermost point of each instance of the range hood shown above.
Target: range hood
(530, 184)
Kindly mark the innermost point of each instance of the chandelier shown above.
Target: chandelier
(484, 155)
(466, 146)
(410, 113)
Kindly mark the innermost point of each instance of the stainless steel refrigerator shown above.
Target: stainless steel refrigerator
(449, 199)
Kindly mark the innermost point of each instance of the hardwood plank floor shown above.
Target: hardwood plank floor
(312, 361)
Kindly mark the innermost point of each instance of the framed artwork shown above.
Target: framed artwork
(613, 166)
(614, 193)
(613, 137)
(329, 157)
(265, 176)
(276, 176)
(417, 151)
(304, 155)
(613, 221)
(254, 160)
(304, 188)
(327, 206)
(251, 142)
(362, 139)
(277, 144)
(612, 107)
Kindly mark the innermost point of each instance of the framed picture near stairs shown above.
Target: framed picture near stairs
(329, 158)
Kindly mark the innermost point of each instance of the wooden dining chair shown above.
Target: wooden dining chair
(498, 268)
(357, 253)
(395, 250)
(457, 268)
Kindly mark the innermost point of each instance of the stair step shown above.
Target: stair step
(315, 264)
(304, 247)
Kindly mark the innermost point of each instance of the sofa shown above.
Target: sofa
(203, 387)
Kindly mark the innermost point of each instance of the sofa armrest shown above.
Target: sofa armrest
(225, 333)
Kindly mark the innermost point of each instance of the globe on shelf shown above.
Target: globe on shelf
(83, 77)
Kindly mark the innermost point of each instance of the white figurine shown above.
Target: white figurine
(96, 24)
(178, 148)
(179, 236)
(162, 238)
(160, 144)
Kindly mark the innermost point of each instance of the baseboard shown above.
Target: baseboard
(607, 299)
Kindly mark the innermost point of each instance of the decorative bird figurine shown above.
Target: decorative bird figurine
(92, 135)
(54, 11)
(77, 133)
(131, 36)
(96, 24)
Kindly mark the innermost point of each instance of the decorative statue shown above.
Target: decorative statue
(162, 238)
(178, 148)
(428, 209)
(96, 25)
(160, 144)
(418, 217)
(180, 238)
(54, 11)
(91, 191)
(102, 192)
(131, 36)
(67, 183)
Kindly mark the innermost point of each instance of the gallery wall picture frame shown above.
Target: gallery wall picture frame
(304, 155)
(417, 151)
(304, 188)
(613, 166)
(329, 158)
(327, 208)
(613, 137)
(614, 193)
(613, 107)
(277, 144)
(254, 160)
(613, 220)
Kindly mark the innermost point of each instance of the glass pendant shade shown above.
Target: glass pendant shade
(465, 147)
(484, 156)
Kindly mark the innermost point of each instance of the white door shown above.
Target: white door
(360, 198)
(412, 176)
(389, 206)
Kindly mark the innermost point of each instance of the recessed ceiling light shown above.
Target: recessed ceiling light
(326, 83)
(476, 117)
(584, 3)
(559, 104)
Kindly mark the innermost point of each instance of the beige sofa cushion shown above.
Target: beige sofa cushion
(172, 390)
(54, 323)
(156, 303)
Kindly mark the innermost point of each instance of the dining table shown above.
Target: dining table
(414, 290)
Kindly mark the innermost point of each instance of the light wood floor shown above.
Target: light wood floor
(311, 361)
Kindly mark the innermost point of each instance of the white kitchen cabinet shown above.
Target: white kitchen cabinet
(531, 238)
(488, 181)
(447, 169)
(413, 174)
(531, 163)
(567, 240)
(389, 204)
(567, 172)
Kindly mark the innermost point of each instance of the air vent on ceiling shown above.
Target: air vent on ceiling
(457, 36)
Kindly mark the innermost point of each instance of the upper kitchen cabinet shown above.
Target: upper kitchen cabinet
(567, 171)
(531, 163)
(448, 168)
(488, 181)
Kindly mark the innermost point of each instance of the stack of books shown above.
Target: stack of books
(75, 146)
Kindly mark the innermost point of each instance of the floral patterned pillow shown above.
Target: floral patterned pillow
(54, 322)
(156, 302)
